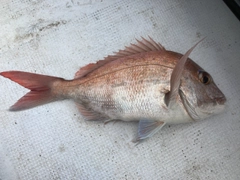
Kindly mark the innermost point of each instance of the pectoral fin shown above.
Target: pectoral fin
(170, 97)
(147, 128)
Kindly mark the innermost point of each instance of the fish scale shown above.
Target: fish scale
(142, 86)
(144, 82)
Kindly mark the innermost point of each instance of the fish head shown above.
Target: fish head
(199, 94)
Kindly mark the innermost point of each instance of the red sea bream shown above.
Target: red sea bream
(144, 82)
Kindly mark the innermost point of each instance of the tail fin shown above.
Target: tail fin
(40, 86)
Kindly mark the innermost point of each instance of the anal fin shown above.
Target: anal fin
(148, 128)
(90, 114)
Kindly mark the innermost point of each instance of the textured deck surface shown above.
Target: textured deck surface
(56, 38)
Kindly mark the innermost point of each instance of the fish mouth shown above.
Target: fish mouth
(221, 100)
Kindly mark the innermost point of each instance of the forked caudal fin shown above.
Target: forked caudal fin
(40, 86)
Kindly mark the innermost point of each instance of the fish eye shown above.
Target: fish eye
(204, 77)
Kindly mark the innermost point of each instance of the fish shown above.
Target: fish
(143, 82)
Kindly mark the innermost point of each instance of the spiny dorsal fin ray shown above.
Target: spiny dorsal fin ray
(157, 45)
(141, 46)
(149, 44)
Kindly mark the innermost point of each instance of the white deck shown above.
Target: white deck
(56, 38)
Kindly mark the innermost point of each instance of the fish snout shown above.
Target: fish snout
(221, 100)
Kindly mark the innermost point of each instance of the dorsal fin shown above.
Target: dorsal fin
(142, 46)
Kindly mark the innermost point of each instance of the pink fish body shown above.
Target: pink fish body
(144, 83)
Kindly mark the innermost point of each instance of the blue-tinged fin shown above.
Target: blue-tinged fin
(148, 128)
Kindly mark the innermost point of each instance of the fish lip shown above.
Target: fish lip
(221, 100)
